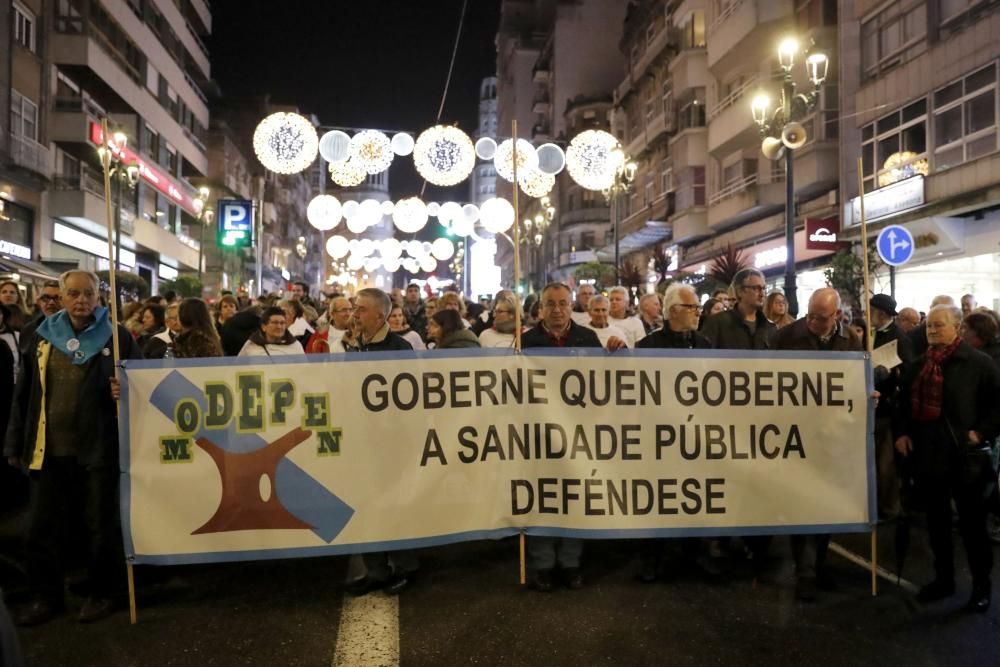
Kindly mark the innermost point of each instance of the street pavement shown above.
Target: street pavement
(466, 607)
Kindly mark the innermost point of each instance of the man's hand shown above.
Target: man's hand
(904, 445)
(875, 396)
(116, 389)
(616, 343)
(974, 438)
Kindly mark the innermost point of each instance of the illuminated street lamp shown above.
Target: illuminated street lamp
(782, 132)
(621, 184)
(122, 175)
(205, 216)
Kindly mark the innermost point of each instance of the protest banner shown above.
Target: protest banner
(234, 459)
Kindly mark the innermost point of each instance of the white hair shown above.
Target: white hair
(672, 296)
(619, 289)
(954, 311)
(596, 300)
(91, 276)
(646, 297)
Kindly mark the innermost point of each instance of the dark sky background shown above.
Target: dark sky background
(369, 64)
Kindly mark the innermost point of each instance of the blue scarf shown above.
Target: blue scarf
(80, 347)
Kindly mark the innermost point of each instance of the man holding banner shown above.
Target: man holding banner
(819, 330)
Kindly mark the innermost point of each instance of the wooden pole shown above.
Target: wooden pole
(113, 305)
(866, 297)
(517, 309)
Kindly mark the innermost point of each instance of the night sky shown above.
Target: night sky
(368, 64)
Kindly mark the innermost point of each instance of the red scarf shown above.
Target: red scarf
(928, 389)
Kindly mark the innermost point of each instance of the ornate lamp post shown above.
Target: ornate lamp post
(122, 175)
(624, 176)
(205, 216)
(782, 132)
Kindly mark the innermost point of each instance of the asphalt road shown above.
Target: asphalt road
(467, 608)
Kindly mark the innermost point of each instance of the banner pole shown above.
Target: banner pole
(113, 305)
(517, 306)
(866, 298)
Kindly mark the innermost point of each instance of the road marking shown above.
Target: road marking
(369, 631)
(867, 564)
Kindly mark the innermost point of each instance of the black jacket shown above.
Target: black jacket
(887, 385)
(578, 336)
(668, 338)
(383, 341)
(98, 414)
(796, 336)
(728, 331)
(237, 330)
(971, 396)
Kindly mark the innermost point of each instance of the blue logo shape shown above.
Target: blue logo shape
(303, 496)
(895, 245)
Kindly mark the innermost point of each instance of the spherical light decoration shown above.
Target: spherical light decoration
(503, 161)
(534, 183)
(486, 148)
(350, 209)
(387, 207)
(324, 212)
(391, 263)
(410, 215)
(353, 245)
(370, 211)
(442, 249)
(551, 159)
(402, 144)
(425, 248)
(372, 264)
(347, 174)
(285, 143)
(337, 247)
(335, 146)
(414, 248)
(497, 215)
(391, 249)
(357, 225)
(449, 212)
(371, 150)
(411, 265)
(365, 247)
(471, 213)
(433, 208)
(355, 262)
(462, 227)
(590, 159)
(444, 155)
(428, 263)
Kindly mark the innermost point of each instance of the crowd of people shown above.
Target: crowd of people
(936, 417)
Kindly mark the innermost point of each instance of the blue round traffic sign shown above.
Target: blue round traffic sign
(895, 245)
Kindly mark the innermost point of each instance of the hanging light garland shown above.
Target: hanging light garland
(347, 174)
(591, 159)
(285, 143)
(503, 159)
(444, 155)
(371, 150)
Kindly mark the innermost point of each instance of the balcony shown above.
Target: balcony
(541, 74)
(730, 123)
(578, 257)
(29, 154)
(689, 147)
(689, 70)
(690, 224)
(541, 105)
(744, 200)
(69, 123)
(816, 163)
(745, 31)
(79, 198)
(541, 132)
(601, 214)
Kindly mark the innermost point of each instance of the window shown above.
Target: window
(587, 240)
(667, 175)
(965, 119)
(951, 9)
(23, 116)
(738, 171)
(900, 135)
(24, 27)
(692, 30)
(816, 14)
(68, 17)
(893, 36)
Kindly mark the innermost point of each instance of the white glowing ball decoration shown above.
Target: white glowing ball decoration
(372, 151)
(410, 215)
(338, 247)
(551, 159)
(486, 148)
(497, 215)
(370, 211)
(324, 212)
(534, 183)
(591, 159)
(503, 160)
(442, 249)
(402, 144)
(285, 143)
(335, 146)
(444, 155)
(347, 174)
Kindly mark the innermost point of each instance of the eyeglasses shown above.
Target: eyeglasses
(552, 305)
(48, 297)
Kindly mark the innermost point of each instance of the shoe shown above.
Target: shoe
(979, 601)
(805, 589)
(94, 609)
(936, 590)
(398, 583)
(574, 580)
(647, 573)
(541, 581)
(38, 612)
(364, 586)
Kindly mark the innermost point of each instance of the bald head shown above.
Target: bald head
(907, 319)
(942, 300)
(824, 307)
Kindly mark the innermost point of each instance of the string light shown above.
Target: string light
(410, 215)
(285, 143)
(371, 150)
(324, 212)
(534, 183)
(590, 159)
(444, 155)
(503, 160)
(347, 174)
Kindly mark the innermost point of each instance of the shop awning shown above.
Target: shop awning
(654, 232)
(27, 269)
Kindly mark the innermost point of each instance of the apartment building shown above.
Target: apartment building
(919, 98)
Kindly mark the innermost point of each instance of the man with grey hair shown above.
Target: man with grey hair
(946, 416)
(650, 312)
(918, 336)
(581, 314)
(612, 337)
(64, 432)
(618, 298)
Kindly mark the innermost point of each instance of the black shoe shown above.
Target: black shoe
(574, 580)
(94, 609)
(936, 590)
(805, 589)
(38, 612)
(979, 601)
(364, 586)
(647, 573)
(541, 581)
(398, 583)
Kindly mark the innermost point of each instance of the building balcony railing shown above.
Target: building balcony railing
(29, 154)
(733, 98)
(732, 189)
(727, 9)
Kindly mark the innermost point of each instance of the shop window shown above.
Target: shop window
(24, 26)
(894, 147)
(965, 119)
(893, 36)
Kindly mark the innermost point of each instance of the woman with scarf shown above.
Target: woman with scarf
(947, 413)
(198, 337)
(272, 338)
(449, 331)
(501, 334)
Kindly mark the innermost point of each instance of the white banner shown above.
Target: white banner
(232, 459)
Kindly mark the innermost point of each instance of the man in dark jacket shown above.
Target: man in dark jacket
(414, 309)
(238, 328)
(883, 309)
(389, 572)
(64, 430)
(948, 411)
(48, 303)
(819, 330)
(557, 329)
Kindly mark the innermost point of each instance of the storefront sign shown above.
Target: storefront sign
(889, 200)
(158, 179)
(235, 223)
(77, 240)
(167, 272)
(822, 234)
(14, 249)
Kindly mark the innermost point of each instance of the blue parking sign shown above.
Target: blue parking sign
(235, 223)
(895, 245)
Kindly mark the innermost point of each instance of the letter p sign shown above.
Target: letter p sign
(235, 223)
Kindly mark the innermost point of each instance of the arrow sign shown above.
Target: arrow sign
(895, 245)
